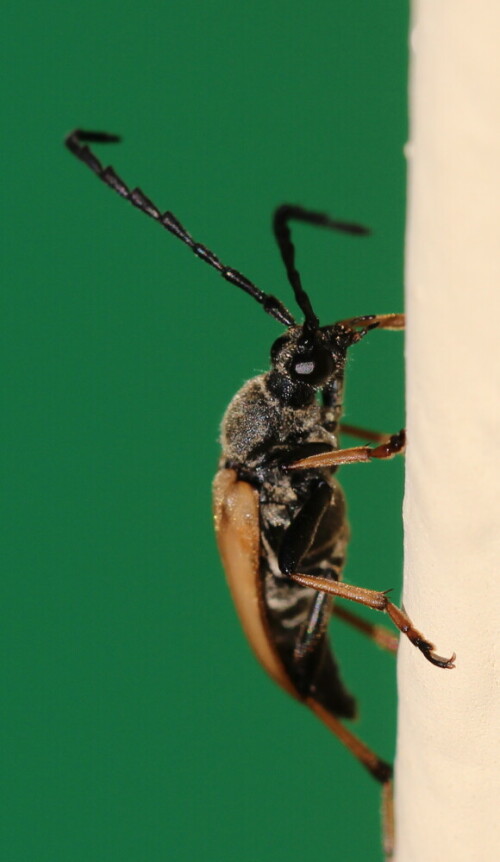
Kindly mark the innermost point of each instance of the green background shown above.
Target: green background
(136, 724)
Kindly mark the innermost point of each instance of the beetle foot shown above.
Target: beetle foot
(428, 650)
(395, 445)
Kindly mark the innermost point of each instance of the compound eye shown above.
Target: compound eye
(314, 368)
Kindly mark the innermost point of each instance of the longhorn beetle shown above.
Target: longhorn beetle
(279, 511)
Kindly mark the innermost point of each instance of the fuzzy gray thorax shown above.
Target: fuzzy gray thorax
(255, 422)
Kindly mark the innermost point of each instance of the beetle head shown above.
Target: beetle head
(306, 360)
(307, 356)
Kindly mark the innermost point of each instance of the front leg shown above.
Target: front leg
(363, 324)
(395, 445)
(331, 396)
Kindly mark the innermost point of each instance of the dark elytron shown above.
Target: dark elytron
(279, 510)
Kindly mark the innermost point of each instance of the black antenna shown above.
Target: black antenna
(290, 212)
(76, 143)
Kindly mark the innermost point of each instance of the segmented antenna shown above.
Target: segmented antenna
(290, 212)
(77, 142)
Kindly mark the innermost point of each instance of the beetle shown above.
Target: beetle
(279, 510)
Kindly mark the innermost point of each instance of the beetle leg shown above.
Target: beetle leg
(380, 635)
(297, 540)
(295, 544)
(364, 433)
(395, 445)
(388, 820)
(377, 767)
(394, 322)
(314, 626)
(380, 602)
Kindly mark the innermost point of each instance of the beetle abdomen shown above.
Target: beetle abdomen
(273, 610)
(297, 617)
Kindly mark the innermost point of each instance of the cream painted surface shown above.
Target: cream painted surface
(448, 770)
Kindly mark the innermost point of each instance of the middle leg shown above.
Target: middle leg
(380, 602)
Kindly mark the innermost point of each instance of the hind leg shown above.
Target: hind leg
(377, 767)
(296, 542)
